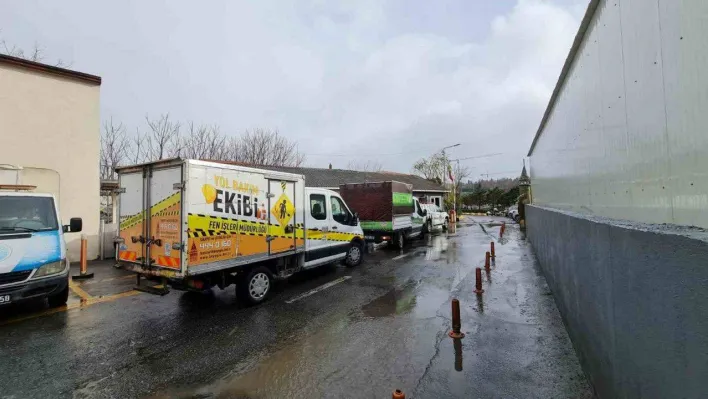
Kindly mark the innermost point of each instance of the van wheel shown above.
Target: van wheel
(59, 299)
(400, 240)
(255, 288)
(355, 255)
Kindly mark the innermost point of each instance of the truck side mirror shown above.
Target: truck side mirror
(425, 212)
(75, 225)
(355, 219)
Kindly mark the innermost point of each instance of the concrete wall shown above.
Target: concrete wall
(634, 298)
(53, 122)
(625, 135)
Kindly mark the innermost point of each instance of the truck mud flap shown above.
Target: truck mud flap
(160, 290)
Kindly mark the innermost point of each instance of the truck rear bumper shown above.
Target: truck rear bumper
(32, 289)
(149, 271)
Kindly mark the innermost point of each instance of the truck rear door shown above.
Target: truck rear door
(165, 232)
(150, 206)
(131, 210)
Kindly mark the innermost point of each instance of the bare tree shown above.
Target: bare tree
(163, 138)
(36, 55)
(136, 150)
(114, 147)
(265, 147)
(432, 168)
(365, 166)
(203, 142)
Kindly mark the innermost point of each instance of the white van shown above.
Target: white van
(196, 224)
(33, 260)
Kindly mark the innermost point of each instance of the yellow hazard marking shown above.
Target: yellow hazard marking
(159, 207)
(85, 303)
(207, 226)
(79, 291)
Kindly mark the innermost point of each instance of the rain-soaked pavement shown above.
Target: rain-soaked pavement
(334, 332)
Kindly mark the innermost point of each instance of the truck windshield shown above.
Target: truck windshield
(25, 213)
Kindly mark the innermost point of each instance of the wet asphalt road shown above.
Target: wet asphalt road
(373, 329)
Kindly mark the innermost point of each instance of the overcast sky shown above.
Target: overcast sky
(391, 81)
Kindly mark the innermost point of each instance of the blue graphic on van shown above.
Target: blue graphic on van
(42, 248)
(5, 252)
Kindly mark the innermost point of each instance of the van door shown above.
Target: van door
(164, 242)
(131, 208)
(282, 219)
(317, 222)
(341, 230)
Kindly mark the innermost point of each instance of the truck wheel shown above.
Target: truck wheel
(400, 240)
(355, 255)
(444, 226)
(255, 288)
(429, 227)
(59, 299)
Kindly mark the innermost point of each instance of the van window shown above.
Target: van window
(339, 211)
(318, 206)
(27, 213)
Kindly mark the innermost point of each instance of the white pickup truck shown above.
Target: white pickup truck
(435, 218)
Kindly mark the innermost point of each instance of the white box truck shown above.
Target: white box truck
(196, 224)
(33, 261)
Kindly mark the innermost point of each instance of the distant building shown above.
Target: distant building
(425, 190)
(49, 118)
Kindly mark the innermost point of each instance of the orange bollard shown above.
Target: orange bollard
(503, 228)
(491, 244)
(83, 274)
(456, 323)
(487, 256)
(478, 281)
(398, 394)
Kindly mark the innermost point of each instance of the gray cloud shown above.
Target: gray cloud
(363, 79)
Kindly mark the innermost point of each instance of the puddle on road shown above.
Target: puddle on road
(396, 301)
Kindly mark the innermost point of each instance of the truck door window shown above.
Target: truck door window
(318, 206)
(417, 208)
(339, 211)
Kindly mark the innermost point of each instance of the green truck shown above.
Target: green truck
(387, 211)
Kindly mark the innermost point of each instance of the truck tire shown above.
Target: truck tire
(444, 226)
(429, 227)
(59, 299)
(256, 286)
(399, 240)
(355, 255)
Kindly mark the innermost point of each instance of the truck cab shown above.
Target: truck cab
(33, 261)
(332, 230)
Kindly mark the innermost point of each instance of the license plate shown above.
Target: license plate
(4, 299)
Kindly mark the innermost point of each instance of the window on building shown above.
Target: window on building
(318, 206)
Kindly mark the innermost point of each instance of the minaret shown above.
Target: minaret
(524, 182)
(524, 196)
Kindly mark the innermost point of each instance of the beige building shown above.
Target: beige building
(49, 118)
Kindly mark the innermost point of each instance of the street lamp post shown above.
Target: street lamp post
(447, 165)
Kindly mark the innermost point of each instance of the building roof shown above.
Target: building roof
(21, 63)
(332, 178)
(584, 25)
